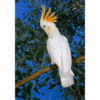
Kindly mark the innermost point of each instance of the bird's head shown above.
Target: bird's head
(47, 22)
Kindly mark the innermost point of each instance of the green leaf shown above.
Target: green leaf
(54, 73)
(42, 93)
(30, 85)
(35, 89)
(52, 86)
(59, 83)
(24, 75)
(29, 70)
(27, 53)
(47, 79)
(80, 42)
(24, 42)
(36, 98)
(24, 88)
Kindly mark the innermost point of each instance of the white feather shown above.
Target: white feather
(59, 51)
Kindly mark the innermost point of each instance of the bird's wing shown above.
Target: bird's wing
(54, 50)
(66, 55)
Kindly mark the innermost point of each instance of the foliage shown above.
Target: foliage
(31, 54)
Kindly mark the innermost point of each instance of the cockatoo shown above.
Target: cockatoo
(58, 48)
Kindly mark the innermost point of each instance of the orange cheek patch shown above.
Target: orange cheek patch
(48, 28)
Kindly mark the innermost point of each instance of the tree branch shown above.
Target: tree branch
(77, 87)
(35, 31)
(40, 32)
(42, 71)
(79, 60)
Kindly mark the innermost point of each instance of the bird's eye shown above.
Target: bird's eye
(44, 26)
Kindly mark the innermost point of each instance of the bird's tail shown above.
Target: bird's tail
(67, 79)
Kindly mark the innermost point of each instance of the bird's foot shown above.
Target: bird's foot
(53, 67)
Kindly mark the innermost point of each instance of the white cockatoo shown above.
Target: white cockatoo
(58, 48)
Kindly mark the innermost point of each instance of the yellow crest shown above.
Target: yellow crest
(47, 17)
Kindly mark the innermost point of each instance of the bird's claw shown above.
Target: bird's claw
(52, 67)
